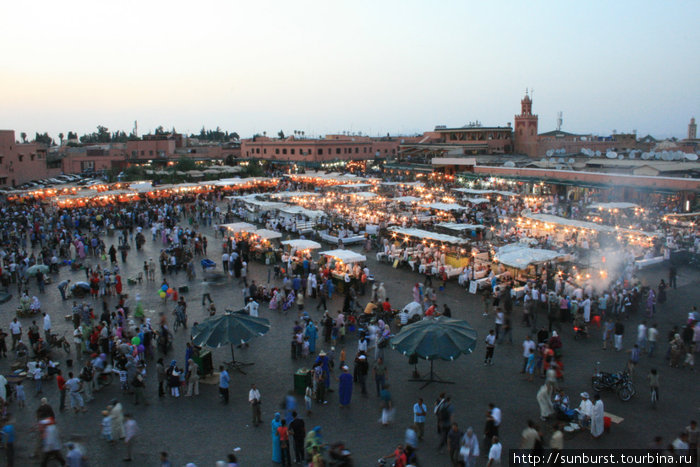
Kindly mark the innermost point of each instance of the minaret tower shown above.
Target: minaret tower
(526, 128)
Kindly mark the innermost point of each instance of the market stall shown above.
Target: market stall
(344, 267)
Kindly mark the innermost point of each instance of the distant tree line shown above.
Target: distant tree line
(103, 135)
(217, 135)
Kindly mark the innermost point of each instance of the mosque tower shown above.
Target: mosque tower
(526, 128)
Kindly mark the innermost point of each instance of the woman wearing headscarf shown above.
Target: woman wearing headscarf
(345, 387)
(311, 332)
(276, 448)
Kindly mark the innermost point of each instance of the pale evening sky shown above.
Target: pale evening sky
(398, 66)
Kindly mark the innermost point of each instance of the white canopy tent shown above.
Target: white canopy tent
(266, 234)
(427, 235)
(346, 256)
(478, 200)
(445, 206)
(294, 210)
(520, 256)
(240, 227)
(301, 244)
(406, 199)
(293, 194)
(613, 206)
(550, 219)
(364, 194)
(474, 191)
(460, 227)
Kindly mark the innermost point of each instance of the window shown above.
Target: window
(150, 152)
(143, 153)
(265, 151)
(284, 151)
(20, 158)
(292, 151)
(365, 150)
(257, 151)
(357, 150)
(31, 157)
(320, 151)
(337, 150)
(277, 150)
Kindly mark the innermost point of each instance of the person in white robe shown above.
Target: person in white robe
(597, 417)
(544, 399)
(585, 409)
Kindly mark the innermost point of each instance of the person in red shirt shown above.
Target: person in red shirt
(399, 456)
(430, 311)
(386, 306)
(283, 433)
(61, 383)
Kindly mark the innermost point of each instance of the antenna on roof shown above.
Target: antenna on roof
(560, 120)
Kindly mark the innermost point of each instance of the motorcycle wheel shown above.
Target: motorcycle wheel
(624, 393)
(598, 386)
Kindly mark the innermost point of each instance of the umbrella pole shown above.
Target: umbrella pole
(235, 365)
(433, 378)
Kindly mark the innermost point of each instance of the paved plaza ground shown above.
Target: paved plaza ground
(201, 430)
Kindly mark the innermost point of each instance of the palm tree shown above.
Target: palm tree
(24, 137)
(60, 136)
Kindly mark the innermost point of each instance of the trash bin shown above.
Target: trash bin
(302, 378)
(204, 361)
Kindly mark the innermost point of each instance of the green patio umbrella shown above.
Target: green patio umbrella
(33, 270)
(231, 328)
(435, 338)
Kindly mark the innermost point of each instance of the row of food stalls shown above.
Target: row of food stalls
(103, 194)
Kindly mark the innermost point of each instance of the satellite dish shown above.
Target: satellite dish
(621, 156)
(598, 154)
(571, 161)
(666, 156)
(678, 156)
(543, 160)
(691, 157)
(509, 164)
(557, 167)
(657, 155)
(645, 156)
(633, 154)
(611, 155)
(562, 151)
(550, 152)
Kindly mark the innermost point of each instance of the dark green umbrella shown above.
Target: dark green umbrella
(231, 328)
(435, 338)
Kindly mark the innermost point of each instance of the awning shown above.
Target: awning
(301, 244)
(425, 234)
(266, 234)
(460, 227)
(520, 256)
(240, 227)
(445, 207)
(346, 256)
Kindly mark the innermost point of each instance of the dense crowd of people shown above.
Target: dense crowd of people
(113, 337)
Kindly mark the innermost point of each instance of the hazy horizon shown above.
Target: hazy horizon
(398, 67)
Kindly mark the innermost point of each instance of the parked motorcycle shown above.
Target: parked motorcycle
(619, 382)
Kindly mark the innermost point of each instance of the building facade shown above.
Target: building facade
(318, 150)
(21, 162)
